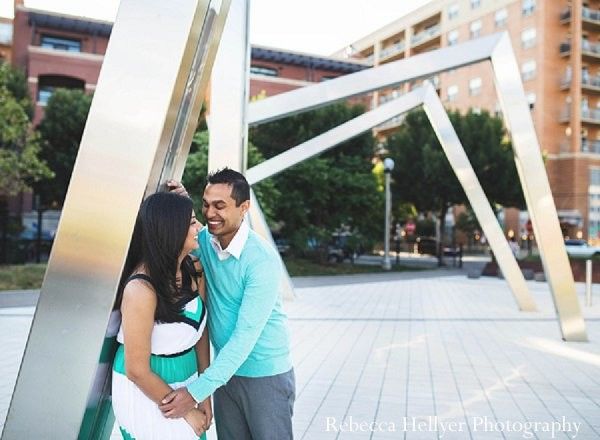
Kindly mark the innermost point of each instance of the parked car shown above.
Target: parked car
(340, 248)
(580, 248)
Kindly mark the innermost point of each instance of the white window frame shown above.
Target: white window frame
(528, 70)
(452, 93)
(475, 4)
(475, 29)
(475, 86)
(528, 38)
(452, 37)
(453, 11)
(501, 17)
(527, 7)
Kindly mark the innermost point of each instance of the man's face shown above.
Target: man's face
(222, 216)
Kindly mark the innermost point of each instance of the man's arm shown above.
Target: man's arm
(260, 296)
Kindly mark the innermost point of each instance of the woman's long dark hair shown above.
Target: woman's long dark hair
(160, 231)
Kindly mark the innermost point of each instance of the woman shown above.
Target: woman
(163, 342)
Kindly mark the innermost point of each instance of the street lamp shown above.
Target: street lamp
(388, 166)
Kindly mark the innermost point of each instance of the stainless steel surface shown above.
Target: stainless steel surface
(485, 215)
(229, 92)
(388, 75)
(131, 120)
(333, 137)
(536, 188)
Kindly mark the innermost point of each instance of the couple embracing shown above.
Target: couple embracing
(183, 286)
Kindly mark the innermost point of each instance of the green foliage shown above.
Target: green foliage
(20, 165)
(61, 131)
(324, 192)
(15, 82)
(423, 176)
(196, 170)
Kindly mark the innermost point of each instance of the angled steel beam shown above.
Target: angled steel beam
(427, 97)
(497, 49)
(485, 215)
(143, 114)
(534, 180)
(365, 81)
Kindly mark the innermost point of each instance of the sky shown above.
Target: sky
(314, 26)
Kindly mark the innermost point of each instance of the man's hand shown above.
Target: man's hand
(177, 188)
(206, 407)
(177, 403)
(197, 420)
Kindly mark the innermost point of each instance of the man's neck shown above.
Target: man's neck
(226, 239)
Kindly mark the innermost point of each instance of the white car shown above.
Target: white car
(580, 248)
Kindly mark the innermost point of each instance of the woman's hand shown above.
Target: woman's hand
(197, 420)
(206, 408)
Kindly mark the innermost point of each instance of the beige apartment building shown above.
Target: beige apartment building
(557, 45)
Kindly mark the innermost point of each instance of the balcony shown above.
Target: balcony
(590, 146)
(590, 17)
(590, 49)
(425, 35)
(590, 115)
(591, 83)
(392, 50)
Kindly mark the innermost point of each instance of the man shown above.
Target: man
(251, 375)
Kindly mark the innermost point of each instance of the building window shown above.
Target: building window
(528, 7)
(501, 17)
(453, 11)
(475, 87)
(528, 70)
(528, 37)
(531, 100)
(497, 110)
(266, 71)
(475, 4)
(60, 43)
(475, 28)
(6, 33)
(452, 93)
(47, 84)
(476, 110)
(452, 37)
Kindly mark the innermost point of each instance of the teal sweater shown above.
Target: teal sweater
(246, 322)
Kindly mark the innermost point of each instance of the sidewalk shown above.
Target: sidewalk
(406, 357)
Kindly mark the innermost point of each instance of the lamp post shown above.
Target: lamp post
(388, 166)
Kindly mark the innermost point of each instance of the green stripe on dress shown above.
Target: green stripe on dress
(127, 436)
(170, 369)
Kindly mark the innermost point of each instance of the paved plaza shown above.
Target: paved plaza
(425, 355)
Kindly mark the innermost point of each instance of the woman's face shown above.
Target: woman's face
(191, 239)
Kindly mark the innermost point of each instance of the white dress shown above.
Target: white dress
(173, 359)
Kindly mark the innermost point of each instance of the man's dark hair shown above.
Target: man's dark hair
(240, 189)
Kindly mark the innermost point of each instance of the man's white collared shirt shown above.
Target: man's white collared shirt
(235, 246)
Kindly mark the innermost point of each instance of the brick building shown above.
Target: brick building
(557, 45)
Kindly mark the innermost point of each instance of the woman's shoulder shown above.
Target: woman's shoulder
(139, 287)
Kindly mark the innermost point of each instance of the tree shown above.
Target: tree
(20, 164)
(196, 170)
(61, 131)
(325, 192)
(423, 175)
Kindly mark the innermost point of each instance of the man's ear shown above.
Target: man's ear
(245, 206)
